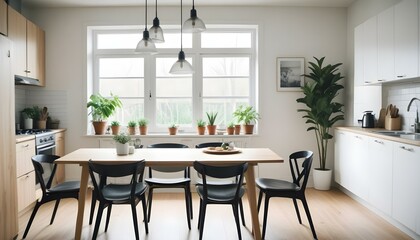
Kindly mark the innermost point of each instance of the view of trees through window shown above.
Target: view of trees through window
(223, 59)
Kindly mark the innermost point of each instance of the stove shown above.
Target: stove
(44, 138)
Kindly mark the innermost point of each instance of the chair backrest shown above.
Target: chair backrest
(44, 170)
(300, 175)
(169, 169)
(209, 144)
(133, 169)
(221, 172)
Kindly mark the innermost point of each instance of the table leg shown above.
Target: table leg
(82, 199)
(252, 200)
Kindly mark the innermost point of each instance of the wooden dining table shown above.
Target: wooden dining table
(171, 157)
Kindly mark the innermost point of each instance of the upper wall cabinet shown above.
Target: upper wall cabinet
(386, 52)
(3, 17)
(28, 56)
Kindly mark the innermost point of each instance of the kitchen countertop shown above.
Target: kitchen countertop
(371, 132)
(23, 138)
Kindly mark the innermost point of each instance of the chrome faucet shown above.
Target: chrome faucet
(416, 121)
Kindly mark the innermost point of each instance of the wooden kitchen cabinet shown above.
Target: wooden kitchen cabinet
(25, 174)
(60, 151)
(28, 57)
(3, 17)
(406, 185)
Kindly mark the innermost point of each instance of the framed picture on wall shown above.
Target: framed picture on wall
(289, 73)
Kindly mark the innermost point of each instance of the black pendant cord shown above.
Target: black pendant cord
(145, 17)
(181, 25)
(193, 5)
(156, 9)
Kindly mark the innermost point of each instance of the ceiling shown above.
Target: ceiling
(113, 3)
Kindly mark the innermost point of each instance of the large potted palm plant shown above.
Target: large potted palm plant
(101, 109)
(322, 112)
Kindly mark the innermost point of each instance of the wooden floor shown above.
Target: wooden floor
(335, 215)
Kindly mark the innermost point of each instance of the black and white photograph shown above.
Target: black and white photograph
(289, 74)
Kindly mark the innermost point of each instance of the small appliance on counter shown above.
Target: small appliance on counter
(368, 120)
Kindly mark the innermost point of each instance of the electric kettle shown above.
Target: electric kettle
(368, 120)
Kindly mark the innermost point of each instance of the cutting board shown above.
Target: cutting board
(381, 119)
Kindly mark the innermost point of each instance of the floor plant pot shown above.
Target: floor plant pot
(122, 149)
(248, 129)
(143, 130)
(322, 179)
(211, 129)
(28, 123)
(100, 127)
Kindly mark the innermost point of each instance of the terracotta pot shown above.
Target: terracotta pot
(211, 129)
(172, 130)
(100, 127)
(201, 130)
(143, 130)
(237, 129)
(248, 129)
(230, 130)
(115, 130)
(131, 130)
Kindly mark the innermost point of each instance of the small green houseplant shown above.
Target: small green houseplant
(101, 109)
(173, 128)
(122, 145)
(28, 116)
(143, 126)
(230, 128)
(201, 127)
(115, 127)
(322, 111)
(247, 115)
(211, 118)
(131, 125)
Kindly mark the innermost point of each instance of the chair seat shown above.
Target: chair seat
(167, 181)
(70, 186)
(121, 192)
(276, 185)
(220, 193)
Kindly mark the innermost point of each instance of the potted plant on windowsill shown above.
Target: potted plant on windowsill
(131, 126)
(211, 127)
(201, 127)
(248, 116)
(122, 145)
(322, 112)
(101, 109)
(230, 129)
(115, 127)
(173, 128)
(143, 126)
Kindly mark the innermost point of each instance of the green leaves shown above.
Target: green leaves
(103, 108)
(211, 117)
(246, 114)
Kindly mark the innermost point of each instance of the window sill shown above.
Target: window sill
(179, 135)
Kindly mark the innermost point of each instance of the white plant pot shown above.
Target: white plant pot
(122, 149)
(322, 179)
(28, 123)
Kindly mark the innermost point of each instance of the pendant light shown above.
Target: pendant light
(156, 33)
(146, 45)
(194, 24)
(181, 66)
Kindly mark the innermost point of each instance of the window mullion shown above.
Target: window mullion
(150, 90)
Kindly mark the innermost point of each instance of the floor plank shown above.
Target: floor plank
(335, 215)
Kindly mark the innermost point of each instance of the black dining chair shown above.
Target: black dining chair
(108, 193)
(183, 182)
(45, 169)
(294, 190)
(220, 194)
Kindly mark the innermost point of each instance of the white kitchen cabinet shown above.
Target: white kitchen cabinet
(386, 65)
(357, 165)
(406, 185)
(406, 39)
(380, 174)
(358, 56)
(341, 176)
(370, 53)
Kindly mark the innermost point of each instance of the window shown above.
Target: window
(224, 74)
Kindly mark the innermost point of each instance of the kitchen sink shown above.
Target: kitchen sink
(401, 134)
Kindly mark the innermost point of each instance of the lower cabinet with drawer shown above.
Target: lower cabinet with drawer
(25, 174)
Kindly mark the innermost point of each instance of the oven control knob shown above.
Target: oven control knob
(51, 138)
(40, 140)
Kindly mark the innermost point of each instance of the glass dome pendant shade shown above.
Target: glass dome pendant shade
(181, 66)
(194, 24)
(156, 32)
(146, 45)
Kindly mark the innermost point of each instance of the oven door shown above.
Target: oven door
(48, 149)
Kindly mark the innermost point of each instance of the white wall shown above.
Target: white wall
(283, 32)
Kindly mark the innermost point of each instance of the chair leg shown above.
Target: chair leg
(98, 220)
(259, 200)
(297, 210)
(241, 208)
(308, 214)
(236, 215)
(108, 216)
(267, 199)
(190, 201)
(187, 207)
(57, 202)
(31, 219)
(143, 203)
(134, 212)
(199, 214)
(149, 204)
(92, 207)
(201, 220)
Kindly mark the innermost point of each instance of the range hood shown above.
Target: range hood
(20, 80)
